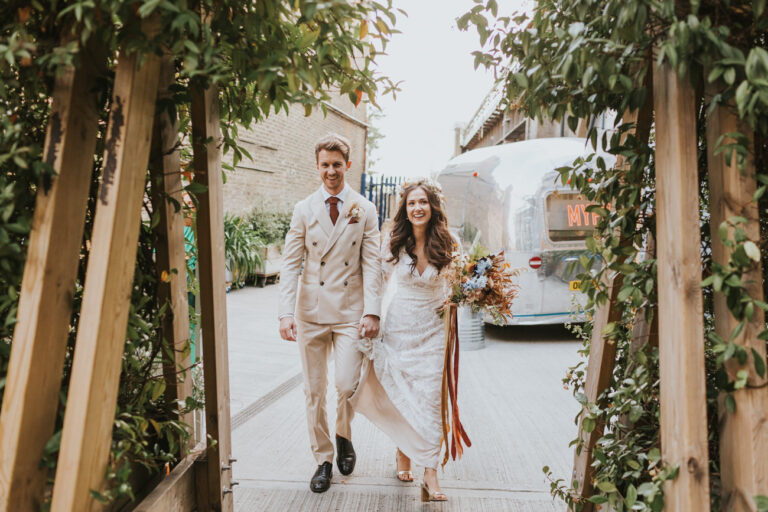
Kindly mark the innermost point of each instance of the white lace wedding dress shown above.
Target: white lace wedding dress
(400, 390)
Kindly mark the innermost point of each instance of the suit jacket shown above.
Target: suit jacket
(341, 279)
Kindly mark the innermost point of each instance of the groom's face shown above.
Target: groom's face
(332, 168)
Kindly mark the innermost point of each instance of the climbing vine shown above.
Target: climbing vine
(573, 60)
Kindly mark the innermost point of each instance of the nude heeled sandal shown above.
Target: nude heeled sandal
(403, 475)
(427, 495)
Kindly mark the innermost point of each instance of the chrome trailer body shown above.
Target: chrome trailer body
(511, 197)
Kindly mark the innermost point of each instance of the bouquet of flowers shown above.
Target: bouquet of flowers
(483, 281)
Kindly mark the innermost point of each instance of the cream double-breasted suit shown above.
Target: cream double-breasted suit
(339, 284)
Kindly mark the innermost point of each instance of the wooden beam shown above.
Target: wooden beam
(165, 168)
(176, 492)
(602, 357)
(743, 433)
(681, 329)
(45, 307)
(602, 352)
(643, 332)
(92, 397)
(206, 140)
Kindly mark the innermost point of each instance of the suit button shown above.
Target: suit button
(345, 283)
(322, 283)
(354, 243)
(314, 243)
(322, 263)
(346, 263)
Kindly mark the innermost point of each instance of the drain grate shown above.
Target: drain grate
(265, 401)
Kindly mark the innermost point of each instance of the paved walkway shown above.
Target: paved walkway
(513, 405)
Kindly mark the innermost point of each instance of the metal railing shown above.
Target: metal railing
(382, 192)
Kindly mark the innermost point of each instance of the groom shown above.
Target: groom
(335, 232)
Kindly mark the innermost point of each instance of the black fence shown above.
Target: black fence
(382, 192)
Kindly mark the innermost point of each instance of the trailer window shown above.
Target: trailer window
(568, 218)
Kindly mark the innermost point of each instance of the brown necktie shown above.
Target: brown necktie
(334, 202)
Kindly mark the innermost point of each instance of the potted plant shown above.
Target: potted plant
(270, 224)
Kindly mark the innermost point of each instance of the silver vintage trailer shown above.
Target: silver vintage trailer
(511, 197)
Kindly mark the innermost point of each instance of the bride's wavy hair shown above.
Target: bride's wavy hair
(439, 242)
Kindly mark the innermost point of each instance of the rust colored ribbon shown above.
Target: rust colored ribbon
(453, 431)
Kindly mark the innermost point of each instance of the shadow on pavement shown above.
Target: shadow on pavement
(548, 333)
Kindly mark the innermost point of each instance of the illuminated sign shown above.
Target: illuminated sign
(568, 217)
(577, 212)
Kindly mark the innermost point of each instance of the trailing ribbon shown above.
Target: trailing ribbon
(453, 430)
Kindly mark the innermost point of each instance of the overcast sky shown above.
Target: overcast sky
(440, 86)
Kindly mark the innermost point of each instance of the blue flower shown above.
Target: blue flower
(482, 266)
(476, 283)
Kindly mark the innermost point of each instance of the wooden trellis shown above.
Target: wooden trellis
(139, 137)
(134, 132)
(680, 337)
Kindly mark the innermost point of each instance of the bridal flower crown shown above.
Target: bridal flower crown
(426, 183)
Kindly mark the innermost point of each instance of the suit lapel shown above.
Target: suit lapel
(342, 221)
(321, 213)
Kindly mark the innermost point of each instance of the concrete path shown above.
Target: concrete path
(512, 401)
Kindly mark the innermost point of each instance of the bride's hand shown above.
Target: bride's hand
(369, 326)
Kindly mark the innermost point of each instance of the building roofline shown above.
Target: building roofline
(488, 111)
(336, 110)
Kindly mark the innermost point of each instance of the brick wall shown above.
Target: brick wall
(283, 169)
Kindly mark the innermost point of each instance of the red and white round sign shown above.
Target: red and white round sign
(534, 262)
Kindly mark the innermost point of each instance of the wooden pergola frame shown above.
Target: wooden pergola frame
(138, 136)
(680, 331)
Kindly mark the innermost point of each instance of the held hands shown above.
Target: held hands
(369, 326)
(288, 328)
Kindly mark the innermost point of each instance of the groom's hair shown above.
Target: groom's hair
(333, 142)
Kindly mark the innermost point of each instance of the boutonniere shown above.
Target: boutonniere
(355, 213)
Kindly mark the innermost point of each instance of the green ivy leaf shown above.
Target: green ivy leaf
(606, 486)
(752, 251)
(759, 363)
(631, 496)
(741, 379)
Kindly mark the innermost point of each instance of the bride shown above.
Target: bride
(401, 389)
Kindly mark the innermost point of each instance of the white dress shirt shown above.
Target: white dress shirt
(341, 196)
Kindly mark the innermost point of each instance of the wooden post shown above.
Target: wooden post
(165, 167)
(744, 432)
(101, 334)
(177, 491)
(681, 329)
(602, 357)
(642, 331)
(206, 138)
(45, 307)
(602, 352)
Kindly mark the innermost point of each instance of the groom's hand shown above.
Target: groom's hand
(369, 326)
(288, 328)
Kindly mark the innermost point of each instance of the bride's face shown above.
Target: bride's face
(417, 207)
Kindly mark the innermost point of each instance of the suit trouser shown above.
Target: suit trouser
(315, 342)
